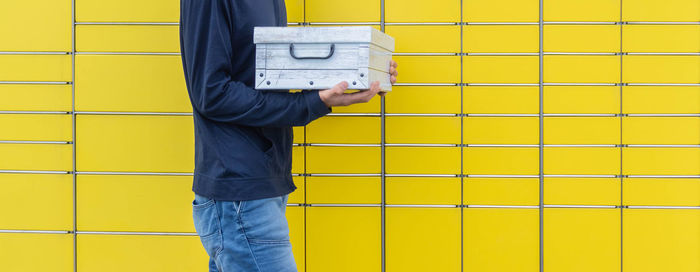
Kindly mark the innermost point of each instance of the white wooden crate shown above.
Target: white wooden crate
(320, 57)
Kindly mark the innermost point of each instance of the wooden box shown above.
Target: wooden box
(320, 57)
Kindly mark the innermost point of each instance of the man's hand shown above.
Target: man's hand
(336, 96)
(393, 72)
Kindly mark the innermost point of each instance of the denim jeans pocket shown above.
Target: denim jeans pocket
(207, 224)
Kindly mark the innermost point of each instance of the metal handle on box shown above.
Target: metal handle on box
(330, 54)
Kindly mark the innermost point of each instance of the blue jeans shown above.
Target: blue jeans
(248, 235)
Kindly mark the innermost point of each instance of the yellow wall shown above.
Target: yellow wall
(475, 117)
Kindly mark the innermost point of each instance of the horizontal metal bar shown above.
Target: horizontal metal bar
(35, 231)
(421, 206)
(35, 142)
(129, 53)
(580, 145)
(132, 173)
(350, 114)
(137, 233)
(423, 114)
(127, 23)
(664, 145)
(662, 114)
(664, 207)
(422, 175)
(579, 23)
(660, 23)
(500, 145)
(503, 206)
(500, 23)
(420, 23)
(501, 115)
(580, 53)
(295, 205)
(580, 114)
(424, 54)
(499, 176)
(579, 176)
(421, 145)
(35, 112)
(580, 84)
(37, 82)
(343, 145)
(499, 54)
(663, 54)
(662, 84)
(662, 176)
(34, 53)
(345, 23)
(32, 172)
(132, 113)
(341, 175)
(467, 84)
(425, 84)
(341, 205)
(583, 206)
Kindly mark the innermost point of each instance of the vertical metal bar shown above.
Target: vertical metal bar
(73, 128)
(305, 206)
(541, 136)
(382, 113)
(461, 135)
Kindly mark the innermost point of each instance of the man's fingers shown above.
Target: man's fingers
(340, 88)
(393, 63)
(393, 71)
(393, 80)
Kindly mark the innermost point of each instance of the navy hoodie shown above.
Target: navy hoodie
(243, 137)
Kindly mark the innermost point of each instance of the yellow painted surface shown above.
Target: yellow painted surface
(343, 160)
(343, 190)
(342, 11)
(338, 237)
(428, 69)
(501, 160)
(140, 253)
(501, 38)
(661, 161)
(127, 11)
(422, 160)
(501, 130)
(298, 195)
(407, 129)
(582, 191)
(296, 220)
(51, 206)
(577, 11)
(373, 106)
(501, 191)
(654, 11)
(582, 99)
(661, 191)
(344, 130)
(501, 239)
(130, 83)
(661, 99)
(581, 69)
(35, 68)
(422, 190)
(418, 234)
(500, 69)
(582, 160)
(661, 69)
(44, 157)
(661, 38)
(20, 252)
(661, 240)
(661, 130)
(580, 240)
(127, 38)
(36, 127)
(298, 161)
(500, 10)
(582, 38)
(135, 143)
(48, 29)
(295, 10)
(135, 203)
(299, 134)
(501, 99)
(17, 97)
(581, 130)
(425, 38)
(412, 11)
(423, 99)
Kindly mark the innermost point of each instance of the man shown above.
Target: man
(243, 137)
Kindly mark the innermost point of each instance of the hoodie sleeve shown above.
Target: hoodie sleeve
(207, 54)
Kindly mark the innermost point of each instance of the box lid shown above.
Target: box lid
(332, 34)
